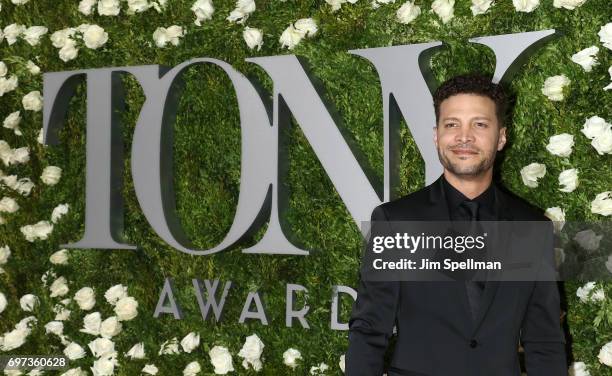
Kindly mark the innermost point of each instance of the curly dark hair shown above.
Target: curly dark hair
(473, 83)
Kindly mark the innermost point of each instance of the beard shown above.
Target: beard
(460, 169)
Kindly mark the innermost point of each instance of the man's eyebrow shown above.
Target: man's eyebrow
(475, 117)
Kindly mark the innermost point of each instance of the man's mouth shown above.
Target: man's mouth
(464, 151)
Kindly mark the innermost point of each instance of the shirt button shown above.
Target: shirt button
(473, 343)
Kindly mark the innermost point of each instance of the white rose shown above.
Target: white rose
(73, 351)
(39, 230)
(12, 32)
(568, 179)
(609, 87)
(290, 37)
(531, 173)
(557, 215)
(104, 366)
(8, 205)
(69, 51)
(480, 6)
(408, 12)
(605, 35)
(110, 327)
(85, 298)
(595, 126)
(101, 347)
(28, 302)
(586, 58)
(173, 33)
(341, 363)
(251, 352)
(14, 339)
(86, 6)
(55, 327)
(444, 9)
(603, 142)
(59, 211)
(91, 323)
(8, 84)
(115, 293)
(526, 6)
(150, 369)
(61, 313)
(241, 13)
(5, 253)
(583, 292)
(24, 186)
(290, 357)
(190, 342)
(3, 69)
(12, 122)
(568, 4)
(578, 369)
(336, 4)
(169, 346)
(203, 10)
(602, 204)
(19, 2)
(95, 37)
(553, 87)
(33, 33)
(20, 155)
(588, 239)
(307, 26)
(3, 302)
(192, 369)
(61, 37)
(108, 7)
(162, 36)
(253, 37)
(126, 308)
(51, 175)
(27, 323)
(136, 352)
(561, 144)
(605, 354)
(32, 101)
(318, 370)
(137, 6)
(60, 257)
(221, 359)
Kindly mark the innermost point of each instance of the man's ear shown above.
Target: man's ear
(502, 139)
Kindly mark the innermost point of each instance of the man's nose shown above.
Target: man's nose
(465, 134)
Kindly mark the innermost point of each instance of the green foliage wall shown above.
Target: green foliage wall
(207, 167)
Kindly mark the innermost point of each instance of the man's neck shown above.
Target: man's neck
(470, 186)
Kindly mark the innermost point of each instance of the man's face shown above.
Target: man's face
(467, 135)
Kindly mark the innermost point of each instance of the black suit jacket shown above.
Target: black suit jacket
(436, 335)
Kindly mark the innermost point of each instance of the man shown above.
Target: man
(459, 328)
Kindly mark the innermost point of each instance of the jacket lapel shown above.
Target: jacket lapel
(438, 210)
(502, 239)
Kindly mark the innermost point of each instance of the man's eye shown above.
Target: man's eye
(481, 124)
(448, 125)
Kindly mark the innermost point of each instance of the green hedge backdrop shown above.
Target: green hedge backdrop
(207, 167)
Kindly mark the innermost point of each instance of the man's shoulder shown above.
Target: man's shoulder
(520, 208)
(409, 202)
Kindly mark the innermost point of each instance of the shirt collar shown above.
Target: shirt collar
(454, 197)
